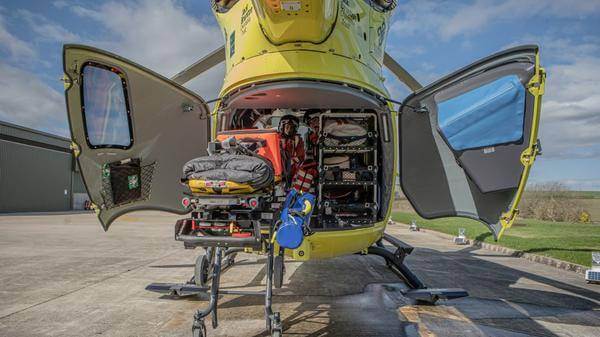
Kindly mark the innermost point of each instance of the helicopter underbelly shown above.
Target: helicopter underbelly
(329, 244)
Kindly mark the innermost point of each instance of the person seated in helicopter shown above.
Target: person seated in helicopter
(311, 120)
(292, 147)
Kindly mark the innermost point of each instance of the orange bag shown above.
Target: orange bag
(270, 150)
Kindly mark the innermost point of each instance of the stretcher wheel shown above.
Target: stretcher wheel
(276, 328)
(199, 329)
(201, 270)
(231, 259)
(278, 270)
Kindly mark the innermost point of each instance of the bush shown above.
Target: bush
(553, 202)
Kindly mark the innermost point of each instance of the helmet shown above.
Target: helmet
(310, 114)
(288, 120)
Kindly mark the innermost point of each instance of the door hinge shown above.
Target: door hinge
(95, 208)
(75, 148)
(66, 81)
(529, 154)
(507, 219)
(537, 84)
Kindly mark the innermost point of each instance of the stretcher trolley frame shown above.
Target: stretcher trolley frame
(220, 252)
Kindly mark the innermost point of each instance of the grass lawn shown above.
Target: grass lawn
(571, 242)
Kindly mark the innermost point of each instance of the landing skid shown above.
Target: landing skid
(418, 291)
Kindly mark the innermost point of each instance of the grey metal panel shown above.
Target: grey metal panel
(301, 94)
(33, 179)
(457, 179)
(77, 183)
(387, 166)
(170, 127)
(487, 166)
(425, 176)
(33, 135)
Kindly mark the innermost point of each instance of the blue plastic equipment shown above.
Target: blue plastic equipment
(296, 212)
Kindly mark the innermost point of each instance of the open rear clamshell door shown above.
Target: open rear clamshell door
(132, 130)
(469, 139)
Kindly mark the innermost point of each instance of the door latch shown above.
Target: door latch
(185, 107)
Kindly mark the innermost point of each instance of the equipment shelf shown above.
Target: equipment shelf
(347, 149)
(348, 183)
(362, 169)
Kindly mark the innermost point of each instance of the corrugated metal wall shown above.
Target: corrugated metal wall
(34, 179)
(78, 186)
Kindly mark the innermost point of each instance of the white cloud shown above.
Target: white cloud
(25, 100)
(571, 106)
(422, 16)
(60, 4)
(160, 35)
(46, 29)
(13, 45)
(447, 19)
(571, 110)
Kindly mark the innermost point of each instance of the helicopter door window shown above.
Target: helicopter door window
(106, 113)
(490, 114)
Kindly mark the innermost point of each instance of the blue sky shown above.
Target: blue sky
(430, 38)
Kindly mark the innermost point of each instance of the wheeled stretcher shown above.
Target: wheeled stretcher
(233, 196)
(232, 191)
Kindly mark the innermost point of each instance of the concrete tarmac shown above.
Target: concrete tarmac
(61, 275)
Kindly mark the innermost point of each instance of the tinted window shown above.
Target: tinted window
(488, 115)
(105, 109)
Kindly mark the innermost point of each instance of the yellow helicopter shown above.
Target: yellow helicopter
(461, 146)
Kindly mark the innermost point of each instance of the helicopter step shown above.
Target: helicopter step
(418, 290)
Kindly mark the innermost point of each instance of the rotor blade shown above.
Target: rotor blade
(200, 66)
(403, 75)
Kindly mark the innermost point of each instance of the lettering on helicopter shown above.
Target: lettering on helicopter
(381, 34)
(246, 18)
(377, 36)
(232, 44)
(348, 17)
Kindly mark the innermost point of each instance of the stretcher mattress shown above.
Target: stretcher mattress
(227, 174)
